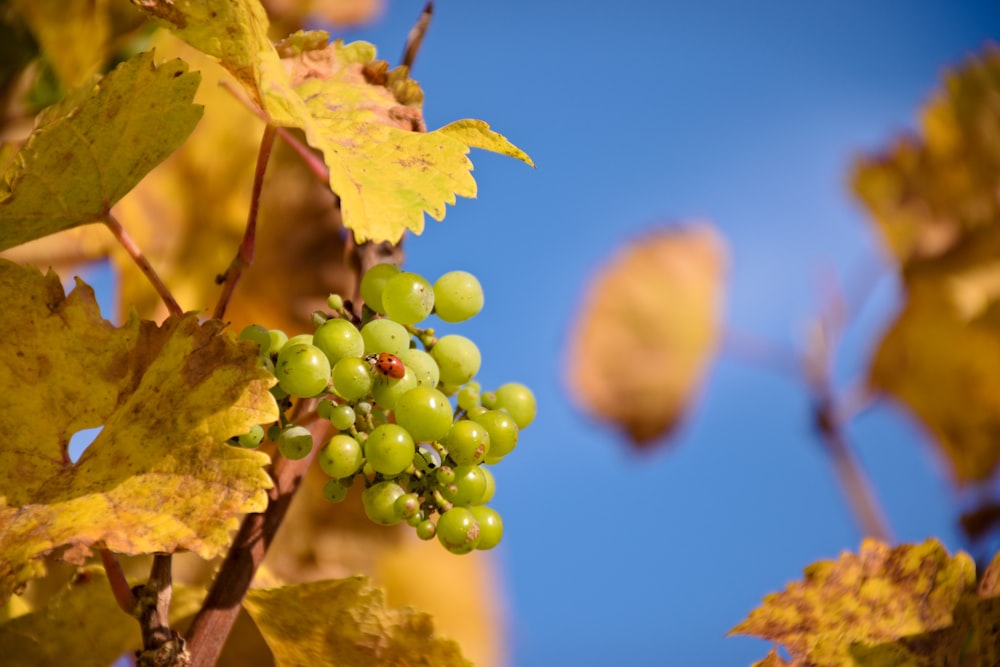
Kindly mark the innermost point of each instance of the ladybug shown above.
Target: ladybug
(387, 364)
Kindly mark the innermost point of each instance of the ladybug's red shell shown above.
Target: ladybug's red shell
(387, 364)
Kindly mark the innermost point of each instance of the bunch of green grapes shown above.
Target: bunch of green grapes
(410, 419)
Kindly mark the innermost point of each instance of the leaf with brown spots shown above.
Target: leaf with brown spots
(647, 330)
(879, 595)
(160, 476)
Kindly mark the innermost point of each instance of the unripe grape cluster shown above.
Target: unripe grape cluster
(408, 416)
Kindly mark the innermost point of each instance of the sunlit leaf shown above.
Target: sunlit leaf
(647, 330)
(929, 193)
(879, 595)
(101, 631)
(772, 659)
(386, 175)
(943, 363)
(159, 477)
(345, 622)
(94, 146)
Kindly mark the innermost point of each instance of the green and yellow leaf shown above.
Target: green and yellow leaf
(880, 595)
(159, 477)
(90, 149)
(361, 116)
(305, 624)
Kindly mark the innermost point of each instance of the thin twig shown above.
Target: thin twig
(853, 481)
(214, 621)
(119, 585)
(416, 36)
(140, 259)
(244, 256)
(315, 164)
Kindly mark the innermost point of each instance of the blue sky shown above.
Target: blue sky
(643, 113)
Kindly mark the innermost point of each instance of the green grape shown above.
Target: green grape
(424, 368)
(253, 437)
(387, 390)
(278, 340)
(468, 488)
(335, 302)
(426, 529)
(352, 378)
(458, 530)
(295, 442)
(490, 485)
(490, 526)
(467, 442)
(384, 335)
(318, 318)
(425, 413)
(407, 298)
(257, 334)
(416, 519)
(468, 398)
(488, 399)
(457, 296)
(475, 411)
(300, 339)
(278, 393)
(341, 456)
(342, 417)
(457, 357)
(324, 409)
(518, 400)
(389, 449)
(302, 370)
(338, 338)
(503, 433)
(373, 282)
(445, 475)
(408, 506)
(379, 502)
(335, 490)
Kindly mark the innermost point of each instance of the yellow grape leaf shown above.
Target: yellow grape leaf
(929, 193)
(647, 330)
(159, 477)
(82, 625)
(345, 622)
(385, 176)
(73, 35)
(93, 147)
(942, 361)
(878, 595)
(973, 640)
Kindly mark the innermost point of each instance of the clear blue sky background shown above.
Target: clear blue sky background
(637, 113)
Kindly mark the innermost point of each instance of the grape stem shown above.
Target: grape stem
(161, 644)
(140, 260)
(245, 254)
(119, 585)
(214, 621)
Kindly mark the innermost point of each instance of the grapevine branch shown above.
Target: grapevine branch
(416, 36)
(244, 256)
(161, 645)
(212, 625)
(140, 260)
